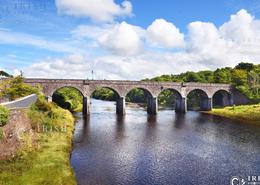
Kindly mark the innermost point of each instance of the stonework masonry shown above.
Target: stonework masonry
(152, 91)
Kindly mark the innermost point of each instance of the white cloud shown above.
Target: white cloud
(204, 41)
(165, 34)
(113, 67)
(241, 28)
(233, 42)
(97, 10)
(72, 66)
(122, 39)
(131, 57)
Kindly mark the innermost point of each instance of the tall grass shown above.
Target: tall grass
(1, 134)
(49, 161)
(4, 116)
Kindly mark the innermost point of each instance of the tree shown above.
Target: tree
(245, 66)
(16, 88)
(239, 77)
(5, 74)
(254, 82)
(222, 75)
(192, 77)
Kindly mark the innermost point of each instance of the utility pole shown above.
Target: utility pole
(92, 73)
(21, 73)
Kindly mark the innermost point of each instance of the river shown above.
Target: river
(165, 149)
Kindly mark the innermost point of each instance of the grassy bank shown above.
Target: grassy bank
(46, 160)
(249, 113)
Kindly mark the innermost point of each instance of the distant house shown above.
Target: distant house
(4, 75)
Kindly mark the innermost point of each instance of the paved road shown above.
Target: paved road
(24, 102)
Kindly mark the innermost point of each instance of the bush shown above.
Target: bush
(68, 98)
(4, 115)
(1, 134)
(48, 114)
(16, 88)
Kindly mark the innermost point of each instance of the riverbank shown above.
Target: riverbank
(10, 141)
(248, 113)
(46, 160)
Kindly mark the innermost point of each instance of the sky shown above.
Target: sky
(126, 39)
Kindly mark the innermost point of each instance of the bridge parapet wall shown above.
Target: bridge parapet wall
(152, 89)
(87, 87)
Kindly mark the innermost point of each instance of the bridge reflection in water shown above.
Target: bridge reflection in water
(167, 148)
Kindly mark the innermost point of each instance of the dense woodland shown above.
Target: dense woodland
(245, 77)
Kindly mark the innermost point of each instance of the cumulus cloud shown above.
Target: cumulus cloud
(165, 34)
(118, 38)
(234, 41)
(97, 10)
(112, 66)
(240, 28)
(129, 56)
(71, 66)
(205, 41)
(122, 39)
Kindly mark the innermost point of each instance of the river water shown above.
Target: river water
(165, 149)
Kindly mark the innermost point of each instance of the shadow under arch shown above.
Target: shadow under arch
(141, 96)
(221, 98)
(168, 98)
(106, 93)
(68, 97)
(197, 99)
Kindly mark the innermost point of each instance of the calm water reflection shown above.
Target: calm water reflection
(163, 149)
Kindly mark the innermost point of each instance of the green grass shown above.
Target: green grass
(47, 161)
(1, 134)
(48, 165)
(4, 115)
(250, 113)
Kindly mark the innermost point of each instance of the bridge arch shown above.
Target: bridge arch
(67, 86)
(70, 98)
(56, 88)
(145, 90)
(222, 98)
(145, 97)
(198, 99)
(114, 89)
(100, 90)
(201, 90)
(105, 87)
(172, 90)
(170, 97)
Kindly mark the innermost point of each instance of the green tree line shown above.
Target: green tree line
(245, 77)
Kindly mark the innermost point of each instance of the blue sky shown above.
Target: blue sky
(126, 39)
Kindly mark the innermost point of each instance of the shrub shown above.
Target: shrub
(68, 98)
(16, 88)
(48, 114)
(1, 134)
(4, 115)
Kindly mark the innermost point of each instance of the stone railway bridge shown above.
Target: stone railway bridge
(152, 90)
